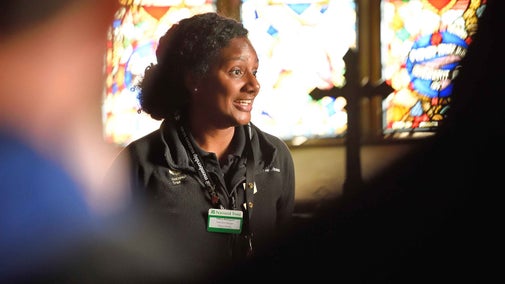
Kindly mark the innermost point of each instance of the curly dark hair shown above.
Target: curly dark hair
(188, 47)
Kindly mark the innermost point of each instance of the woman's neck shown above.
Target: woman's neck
(212, 139)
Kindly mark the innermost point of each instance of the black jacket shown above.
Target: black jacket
(164, 178)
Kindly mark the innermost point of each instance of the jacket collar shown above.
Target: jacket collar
(177, 157)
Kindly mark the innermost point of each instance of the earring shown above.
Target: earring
(195, 89)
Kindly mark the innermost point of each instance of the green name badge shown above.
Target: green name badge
(225, 221)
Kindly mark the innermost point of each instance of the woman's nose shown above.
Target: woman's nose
(253, 85)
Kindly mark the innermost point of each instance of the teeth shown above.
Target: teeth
(244, 102)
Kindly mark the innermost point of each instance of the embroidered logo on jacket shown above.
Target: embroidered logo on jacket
(176, 177)
(272, 169)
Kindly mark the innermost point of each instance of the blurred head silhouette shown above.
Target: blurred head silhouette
(52, 80)
(51, 149)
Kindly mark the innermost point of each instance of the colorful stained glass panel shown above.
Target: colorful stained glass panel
(422, 43)
(133, 39)
(301, 45)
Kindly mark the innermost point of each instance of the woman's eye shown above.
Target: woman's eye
(236, 72)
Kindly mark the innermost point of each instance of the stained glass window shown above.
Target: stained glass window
(422, 43)
(133, 39)
(300, 45)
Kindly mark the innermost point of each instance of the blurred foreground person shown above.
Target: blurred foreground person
(55, 209)
(432, 217)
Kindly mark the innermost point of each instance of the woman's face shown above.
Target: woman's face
(225, 96)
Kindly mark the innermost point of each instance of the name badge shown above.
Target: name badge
(225, 221)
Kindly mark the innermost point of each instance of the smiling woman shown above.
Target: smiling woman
(207, 155)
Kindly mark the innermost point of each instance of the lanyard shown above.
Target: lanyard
(249, 191)
(210, 186)
(249, 176)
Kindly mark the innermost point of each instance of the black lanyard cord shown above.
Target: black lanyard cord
(209, 185)
(249, 188)
(249, 191)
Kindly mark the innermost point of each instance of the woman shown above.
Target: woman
(220, 185)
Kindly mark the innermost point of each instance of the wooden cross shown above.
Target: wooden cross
(353, 91)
